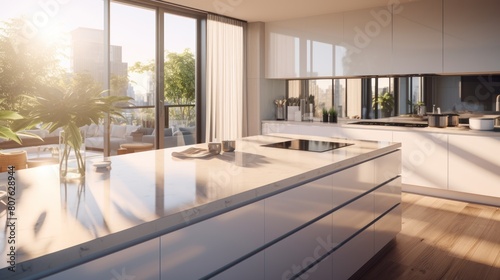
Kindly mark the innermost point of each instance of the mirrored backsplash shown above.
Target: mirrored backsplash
(379, 97)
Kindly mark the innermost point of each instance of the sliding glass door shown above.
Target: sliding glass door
(180, 49)
(154, 59)
(133, 62)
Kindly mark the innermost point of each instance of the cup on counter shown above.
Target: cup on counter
(228, 145)
(214, 148)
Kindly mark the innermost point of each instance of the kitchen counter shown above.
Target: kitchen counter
(149, 194)
(461, 129)
(452, 162)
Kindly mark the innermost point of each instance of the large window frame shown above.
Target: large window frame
(161, 109)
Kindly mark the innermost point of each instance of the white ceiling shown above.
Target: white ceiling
(274, 10)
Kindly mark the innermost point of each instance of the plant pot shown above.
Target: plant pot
(332, 119)
(291, 110)
(325, 117)
(71, 155)
(280, 112)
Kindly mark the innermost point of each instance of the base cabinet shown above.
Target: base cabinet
(353, 255)
(287, 258)
(137, 262)
(424, 158)
(321, 271)
(250, 268)
(387, 228)
(200, 249)
(474, 164)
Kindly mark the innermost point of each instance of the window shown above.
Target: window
(163, 41)
(154, 55)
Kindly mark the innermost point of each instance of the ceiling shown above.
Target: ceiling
(274, 10)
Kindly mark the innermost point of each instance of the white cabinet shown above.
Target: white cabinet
(474, 164)
(367, 42)
(137, 262)
(471, 36)
(387, 228)
(386, 197)
(387, 167)
(321, 271)
(352, 182)
(365, 134)
(202, 248)
(300, 129)
(352, 217)
(299, 250)
(289, 210)
(418, 37)
(250, 268)
(353, 255)
(303, 48)
(424, 158)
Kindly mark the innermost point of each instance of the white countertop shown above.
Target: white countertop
(460, 129)
(148, 194)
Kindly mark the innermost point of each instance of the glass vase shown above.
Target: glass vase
(72, 155)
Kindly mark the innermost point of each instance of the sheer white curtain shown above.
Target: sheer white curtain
(225, 79)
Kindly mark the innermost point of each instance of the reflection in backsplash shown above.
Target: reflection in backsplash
(464, 94)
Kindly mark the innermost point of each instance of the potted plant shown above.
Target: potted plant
(55, 108)
(332, 115)
(386, 103)
(420, 109)
(293, 108)
(325, 114)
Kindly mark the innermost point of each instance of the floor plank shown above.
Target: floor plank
(443, 239)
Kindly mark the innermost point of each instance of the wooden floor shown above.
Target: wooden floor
(443, 239)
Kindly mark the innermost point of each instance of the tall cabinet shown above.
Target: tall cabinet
(471, 36)
(414, 37)
(367, 42)
(417, 45)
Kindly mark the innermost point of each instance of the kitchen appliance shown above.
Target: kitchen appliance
(481, 123)
(308, 145)
(405, 124)
(453, 119)
(437, 120)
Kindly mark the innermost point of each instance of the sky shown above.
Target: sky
(132, 28)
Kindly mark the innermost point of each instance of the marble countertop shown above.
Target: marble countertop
(148, 194)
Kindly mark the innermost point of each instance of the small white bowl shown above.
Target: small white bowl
(481, 123)
(102, 164)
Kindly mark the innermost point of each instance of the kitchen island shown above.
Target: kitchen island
(256, 213)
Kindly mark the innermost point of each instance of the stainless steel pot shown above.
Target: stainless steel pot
(437, 120)
(453, 119)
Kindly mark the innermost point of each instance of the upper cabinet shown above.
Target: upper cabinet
(471, 36)
(367, 45)
(418, 38)
(303, 48)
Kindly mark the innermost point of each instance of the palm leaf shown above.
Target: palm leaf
(7, 133)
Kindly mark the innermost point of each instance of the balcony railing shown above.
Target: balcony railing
(146, 117)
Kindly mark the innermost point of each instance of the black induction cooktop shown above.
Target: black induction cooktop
(308, 145)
